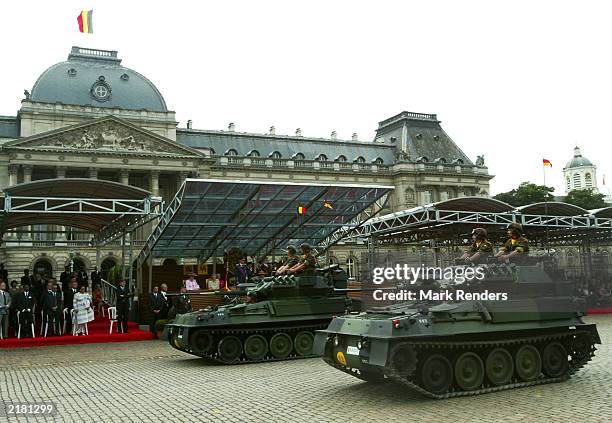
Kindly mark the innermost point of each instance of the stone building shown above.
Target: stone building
(90, 116)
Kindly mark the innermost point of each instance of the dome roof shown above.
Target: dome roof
(96, 78)
(578, 160)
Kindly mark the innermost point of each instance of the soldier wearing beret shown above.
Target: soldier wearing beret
(292, 260)
(182, 303)
(307, 263)
(516, 246)
(480, 248)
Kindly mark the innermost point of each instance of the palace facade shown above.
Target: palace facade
(92, 117)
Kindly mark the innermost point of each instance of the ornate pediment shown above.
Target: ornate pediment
(109, 135)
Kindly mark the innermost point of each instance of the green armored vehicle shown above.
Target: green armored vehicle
(277, 322)
(469, 344)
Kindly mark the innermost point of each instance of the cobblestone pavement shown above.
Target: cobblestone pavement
(151, 382)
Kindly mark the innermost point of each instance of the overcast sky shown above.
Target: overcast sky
(517, 82)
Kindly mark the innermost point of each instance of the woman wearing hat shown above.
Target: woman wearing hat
(191, 284)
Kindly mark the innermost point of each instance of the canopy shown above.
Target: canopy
(208, 217)
(89, 204)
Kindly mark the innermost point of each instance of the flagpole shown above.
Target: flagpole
(545, 206)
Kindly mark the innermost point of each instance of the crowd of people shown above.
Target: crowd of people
(55, 305)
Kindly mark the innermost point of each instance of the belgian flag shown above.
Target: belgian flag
(301, 210)
(85, 21)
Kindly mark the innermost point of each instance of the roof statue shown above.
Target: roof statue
(480, 160)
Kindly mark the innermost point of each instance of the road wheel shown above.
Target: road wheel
(303, 343)
(403, 359)
(256, 347)
(500, 366)
(437, 374)
(554, 360)
(201, 341)
(281, 345)
(528, 363)
(230, 349)
(469, 371)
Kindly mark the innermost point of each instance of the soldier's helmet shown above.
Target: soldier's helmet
(306, 247)
(291, 249)
(480, 233)
(516, 228)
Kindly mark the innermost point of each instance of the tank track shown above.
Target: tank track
(425, 347)
(242, 334)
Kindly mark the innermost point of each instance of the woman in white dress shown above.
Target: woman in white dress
(83, 310)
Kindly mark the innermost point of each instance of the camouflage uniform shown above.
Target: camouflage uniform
(521, 244)
(310, 263)
(292, 261)
(482, 247)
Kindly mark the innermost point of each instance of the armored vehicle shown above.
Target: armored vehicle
(277, 321)
(468, 344)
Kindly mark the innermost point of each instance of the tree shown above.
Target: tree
(586, 199)
(526, 193)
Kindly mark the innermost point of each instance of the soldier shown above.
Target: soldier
(292, 260)
(516, 245)
(123, 306)
(480, 248)
(182, 303)
(24, 303)
(307, 263)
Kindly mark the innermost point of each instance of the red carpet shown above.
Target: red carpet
(607, 310)
(98, 333)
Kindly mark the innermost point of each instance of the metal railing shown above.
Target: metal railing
(109, 292)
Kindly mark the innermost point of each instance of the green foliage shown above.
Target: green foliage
(526, 193)
(586, 199)
(159, 325)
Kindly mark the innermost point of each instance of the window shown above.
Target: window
(253, 153)
(588, 181)
(409, 195)
(321, 158)
(340, 158)
(231, 152)
(576, 178)
(444, 195)
(360, 159)
(275, 155)
(351, 267)
(298, 156)
(378, 161)
(426, 196)
(568, 183)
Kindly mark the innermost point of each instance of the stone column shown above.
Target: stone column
(182, 176)
(60, 238)
(154, 183)
(60, 172)
(27, 177)
(27, 173)
(125, 176)
(93, 173)
(13, 171)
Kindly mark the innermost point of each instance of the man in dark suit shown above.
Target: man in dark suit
(96, 278)
(167, 302)
(123, 306)
(65, 278)
(156, 303)
(24, 304)
(50, 308)
(3, 273)
(242, 272)
(68, 302)
(82, 278)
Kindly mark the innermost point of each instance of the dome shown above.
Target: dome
(578, 160)
(96, 78)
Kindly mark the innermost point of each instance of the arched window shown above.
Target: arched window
(212, 151)
(340, 158)
(231, 152)
(378, 161)
(298, 156)
(333, 260)
(576, 178)
(422, 159)
(253, 153)
(321, 158)
(360, 159)
(588, 180)
(275, 155)
(351, 267)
